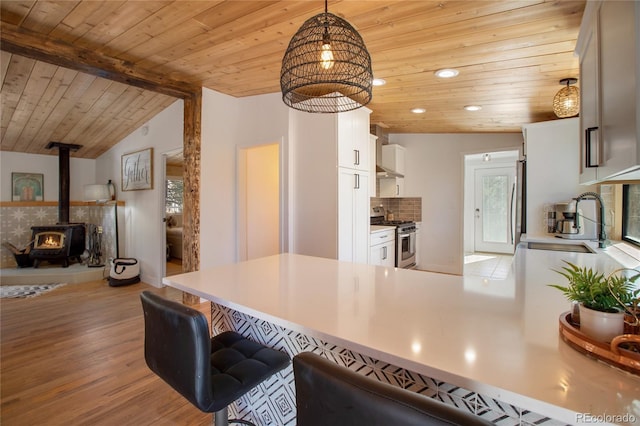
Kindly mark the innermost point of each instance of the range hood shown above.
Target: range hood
(382, 172)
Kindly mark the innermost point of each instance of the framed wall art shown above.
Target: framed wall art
(27, 187)
(137, 170)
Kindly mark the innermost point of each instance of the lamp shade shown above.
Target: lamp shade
(96, 192)
(326, 68)
(566, 103)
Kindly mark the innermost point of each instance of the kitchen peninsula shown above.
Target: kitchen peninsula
(488, 346)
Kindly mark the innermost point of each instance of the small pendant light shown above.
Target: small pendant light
(566, 103)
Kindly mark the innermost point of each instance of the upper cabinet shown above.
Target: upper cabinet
(589, 102)
(392, 187)
(393, 161)
(354, 149)
(373, 139)
(609, 93)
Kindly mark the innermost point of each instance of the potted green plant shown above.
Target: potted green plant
(602, 299)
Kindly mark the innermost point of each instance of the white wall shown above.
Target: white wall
(142, 227)
(81, 171)
(314, 219)
(553, 168)
(229, 124)
(435, 172)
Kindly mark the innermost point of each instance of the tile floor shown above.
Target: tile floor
(487, 265)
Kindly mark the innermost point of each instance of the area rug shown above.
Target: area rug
(22, 291)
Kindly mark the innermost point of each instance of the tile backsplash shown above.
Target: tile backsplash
(16, 221)
(403, 208)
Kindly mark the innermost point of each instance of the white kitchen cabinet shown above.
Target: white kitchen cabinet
(330, 216)
(383, 247)
(354, 150)
(373, 139)
(393, 158)
(391, 187)
(353, 215)
(609, 70)
(589, 102)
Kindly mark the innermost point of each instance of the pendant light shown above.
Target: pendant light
(566, 103)
(326, 68)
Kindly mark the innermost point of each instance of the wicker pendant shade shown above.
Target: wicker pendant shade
(566, 103)
(326, 68)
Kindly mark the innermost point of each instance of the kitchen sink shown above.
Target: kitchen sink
(576, 248)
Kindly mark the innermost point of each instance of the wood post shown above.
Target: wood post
(191, 195)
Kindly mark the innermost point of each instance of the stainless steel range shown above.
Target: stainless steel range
(405, 237)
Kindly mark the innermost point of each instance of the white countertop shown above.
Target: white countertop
(496, 337)
(380, 228)
(625, 255)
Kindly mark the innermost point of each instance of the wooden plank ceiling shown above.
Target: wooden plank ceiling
(510, 54)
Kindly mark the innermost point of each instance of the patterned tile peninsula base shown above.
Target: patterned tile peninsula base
(273, 402)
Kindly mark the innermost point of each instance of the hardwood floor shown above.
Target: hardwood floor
(174, 266)
(74, 356)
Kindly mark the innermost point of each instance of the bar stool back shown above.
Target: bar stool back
(329, 394)
(210, 373)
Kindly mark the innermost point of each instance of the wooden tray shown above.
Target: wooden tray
(612, 353)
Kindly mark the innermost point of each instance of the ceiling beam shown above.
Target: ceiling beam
(31, 45)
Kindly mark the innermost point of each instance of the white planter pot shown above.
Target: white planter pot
(601, 326)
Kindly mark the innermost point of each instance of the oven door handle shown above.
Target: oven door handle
(408, 234)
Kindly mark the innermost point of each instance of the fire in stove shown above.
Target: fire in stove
(49, 240)
(55, 243)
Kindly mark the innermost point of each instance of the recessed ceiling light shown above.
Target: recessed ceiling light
(418, 110)
(447, 73)
(379, 82)
(472, 107)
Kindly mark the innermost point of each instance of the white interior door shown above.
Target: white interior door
(495, 209)
(259, 202)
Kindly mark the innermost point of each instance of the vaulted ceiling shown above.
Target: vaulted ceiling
(510, 54)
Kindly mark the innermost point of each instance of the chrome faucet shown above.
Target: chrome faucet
(602, 234)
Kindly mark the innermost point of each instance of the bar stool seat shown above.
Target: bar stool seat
(210, 373)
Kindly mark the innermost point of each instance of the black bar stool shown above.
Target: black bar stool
(209, 372)
(328, 394)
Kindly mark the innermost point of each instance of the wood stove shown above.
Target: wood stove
(64, 240)
(56, 243)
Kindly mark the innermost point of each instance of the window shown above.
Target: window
(173, 196)
(631, 213)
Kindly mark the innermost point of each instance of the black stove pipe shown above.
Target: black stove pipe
(64, 178)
